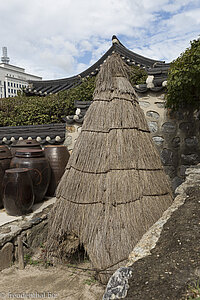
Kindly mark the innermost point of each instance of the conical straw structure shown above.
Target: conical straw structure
(114, 187)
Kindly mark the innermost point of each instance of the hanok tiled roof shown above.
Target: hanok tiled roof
(45, 134)
(81, 109)
(155, 68)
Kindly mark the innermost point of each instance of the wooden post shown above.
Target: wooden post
(20, 253)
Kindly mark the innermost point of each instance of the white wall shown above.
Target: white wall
(13, 79)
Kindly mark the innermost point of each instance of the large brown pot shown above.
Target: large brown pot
(1, 181)
(24, 144)
(18, 195)
(37, 163)
(5, 157)
(58, 156)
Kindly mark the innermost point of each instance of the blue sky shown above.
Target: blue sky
(57, 39)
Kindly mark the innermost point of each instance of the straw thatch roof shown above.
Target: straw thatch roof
(114, 187)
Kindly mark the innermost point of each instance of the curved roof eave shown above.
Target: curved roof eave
(45, 87)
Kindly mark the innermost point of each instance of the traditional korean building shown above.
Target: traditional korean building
(157, 71)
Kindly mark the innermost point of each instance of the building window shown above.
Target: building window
(8, 83)
(14, 84)
(11, 91)
(11, 84)
(20, 86)
(8, 90)
(14, 91)
(17, 85)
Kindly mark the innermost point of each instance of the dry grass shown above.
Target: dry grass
(114, 187)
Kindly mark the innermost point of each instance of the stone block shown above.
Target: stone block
(176, 142)
(117, 286)
(153, 126)
(182, 170)
(6, 256)
(37, 235)
(189, 159)
(169, 127)
(176, 182)
(167, 157)
(191, 141)
(160, 104)
(158, 140)
(153, 114)
(144, 103)
(170, 171)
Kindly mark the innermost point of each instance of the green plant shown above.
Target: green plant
(137, 75)
(30, 261)
(90, 281)
(183, 84)
(24, 110)
(35, 110)
(42, 245)
(193, 292)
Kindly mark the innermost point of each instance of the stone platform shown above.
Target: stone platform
(32, 228)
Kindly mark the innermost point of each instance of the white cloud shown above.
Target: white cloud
(80, 67)
(51, 38)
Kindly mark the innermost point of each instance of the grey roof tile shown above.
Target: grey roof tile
(153, 67)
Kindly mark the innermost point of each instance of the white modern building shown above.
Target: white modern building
(12, 78)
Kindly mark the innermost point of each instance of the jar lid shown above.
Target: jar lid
(29, 153)
(17, 170)
(26, 143)
(55, 146)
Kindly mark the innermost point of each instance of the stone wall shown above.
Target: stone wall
(32, 228)
(176, 135)
(72, 132)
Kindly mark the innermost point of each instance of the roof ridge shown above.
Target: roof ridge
(131, 58)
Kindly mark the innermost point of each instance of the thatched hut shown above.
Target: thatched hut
(114, 187)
